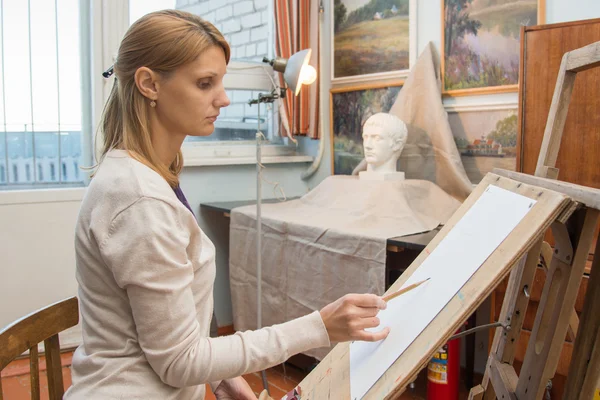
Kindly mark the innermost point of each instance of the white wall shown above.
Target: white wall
(36, 244)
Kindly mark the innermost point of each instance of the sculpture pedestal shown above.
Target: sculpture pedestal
(381, 176)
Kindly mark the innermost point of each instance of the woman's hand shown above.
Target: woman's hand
(347, 318)
(234, 389)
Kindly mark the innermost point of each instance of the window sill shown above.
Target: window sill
(224, 153)
(233, 160)
(46, 195)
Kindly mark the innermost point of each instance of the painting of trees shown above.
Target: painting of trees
(370, 37)
(481, 42)
(493, 130)
(458, 22)
(339, 15)
(505, 132)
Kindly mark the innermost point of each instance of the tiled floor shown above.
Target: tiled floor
(16, 386)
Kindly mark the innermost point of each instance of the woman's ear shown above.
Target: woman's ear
(146, 81)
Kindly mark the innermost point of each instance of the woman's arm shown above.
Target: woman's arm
(146, 251)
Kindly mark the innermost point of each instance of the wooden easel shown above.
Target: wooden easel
(574, 235)
(330, 379)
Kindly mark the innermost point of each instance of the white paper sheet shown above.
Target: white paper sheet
(456, 258)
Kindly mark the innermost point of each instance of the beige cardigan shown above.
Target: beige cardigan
(146, 273)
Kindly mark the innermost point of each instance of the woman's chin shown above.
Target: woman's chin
(204, 133)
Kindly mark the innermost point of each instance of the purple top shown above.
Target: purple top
(181, 197)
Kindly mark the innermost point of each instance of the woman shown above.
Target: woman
(144, 267)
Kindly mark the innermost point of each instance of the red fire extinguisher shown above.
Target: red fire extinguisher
(443, 372)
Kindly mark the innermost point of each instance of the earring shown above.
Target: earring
(153, 104)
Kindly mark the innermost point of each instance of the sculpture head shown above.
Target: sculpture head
(384, 136)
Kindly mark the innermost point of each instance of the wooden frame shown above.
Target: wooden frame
(541, 18)
(574, 237)
(334, 91)
(390, 75)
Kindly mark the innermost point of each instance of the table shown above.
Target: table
(416, 242)
(402, 251)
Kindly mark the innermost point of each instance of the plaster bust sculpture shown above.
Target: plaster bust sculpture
(384, 136)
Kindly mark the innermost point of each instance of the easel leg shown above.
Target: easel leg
(556, 304)
(591, 384)
(581, 368)
(513, 310)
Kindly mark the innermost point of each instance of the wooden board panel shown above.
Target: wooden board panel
(330, 379)
(580, 145)
(542, 49)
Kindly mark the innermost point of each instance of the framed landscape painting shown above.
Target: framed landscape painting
(486, 139)
(481, 43)
(372, 39)
(350, 108)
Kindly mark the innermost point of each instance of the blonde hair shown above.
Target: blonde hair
(162, 41)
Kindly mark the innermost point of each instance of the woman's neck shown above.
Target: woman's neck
(166, 144)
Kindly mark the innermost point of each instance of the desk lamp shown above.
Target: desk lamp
(296, 72)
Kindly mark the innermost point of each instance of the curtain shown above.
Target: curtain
(296, 24)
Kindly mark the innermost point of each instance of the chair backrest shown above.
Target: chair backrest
(25, 334)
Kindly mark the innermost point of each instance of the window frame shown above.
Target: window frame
(33, 171)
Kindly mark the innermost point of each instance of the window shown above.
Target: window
(40, 95)
(248, 28)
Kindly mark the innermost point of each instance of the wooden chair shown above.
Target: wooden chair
(25, 334)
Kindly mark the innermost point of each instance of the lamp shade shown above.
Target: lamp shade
(297, 71)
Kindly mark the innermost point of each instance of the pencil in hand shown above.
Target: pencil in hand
(402, 291)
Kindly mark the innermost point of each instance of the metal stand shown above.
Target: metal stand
(269, 98)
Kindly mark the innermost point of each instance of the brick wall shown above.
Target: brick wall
(245, 25)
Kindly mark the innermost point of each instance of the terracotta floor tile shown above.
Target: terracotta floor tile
(19, 387)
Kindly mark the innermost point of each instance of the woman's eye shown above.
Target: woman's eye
(204, 85)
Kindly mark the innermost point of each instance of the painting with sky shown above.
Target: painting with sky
(481, 42)
(370, 37)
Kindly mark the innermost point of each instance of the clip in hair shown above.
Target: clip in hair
(109, 72)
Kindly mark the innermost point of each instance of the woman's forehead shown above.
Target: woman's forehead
(211, 61)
